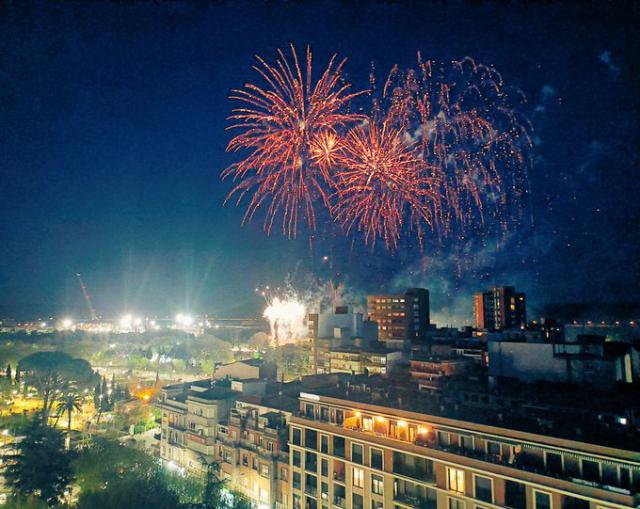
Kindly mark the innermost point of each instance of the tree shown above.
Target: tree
(131, 493)
(114, 475)
(69, 401)
(41, 465)
(48, 372)
(213, 494)
(104, 461)
(8, 373)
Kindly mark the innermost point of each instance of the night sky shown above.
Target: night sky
(112, 138)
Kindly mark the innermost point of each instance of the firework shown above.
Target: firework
(471, 137)
(443, 150)
(289, 128)
(381, 185)
(287, 320)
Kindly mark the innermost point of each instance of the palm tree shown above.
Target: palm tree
(70, 401)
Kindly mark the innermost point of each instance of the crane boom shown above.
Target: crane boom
(92, 310)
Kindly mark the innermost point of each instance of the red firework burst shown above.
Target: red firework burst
(381, 185)
(290, 128)
(470, 134)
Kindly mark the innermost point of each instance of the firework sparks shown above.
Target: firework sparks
(290, 129)
(381, 184)
(470, 135)
(287, 320)
(442, 150)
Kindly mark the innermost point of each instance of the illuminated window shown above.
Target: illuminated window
(455, 480)
(377, 484)
(358, 477)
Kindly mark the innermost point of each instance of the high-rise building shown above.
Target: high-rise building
(499, 308)
(401, 316)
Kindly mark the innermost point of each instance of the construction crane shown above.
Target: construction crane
(92, 310)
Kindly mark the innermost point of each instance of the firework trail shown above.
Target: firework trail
(290, 129)
(381, 184)
(472, 139)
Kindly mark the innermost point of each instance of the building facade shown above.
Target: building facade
(350, 455)
(500, 308)
(401, 316)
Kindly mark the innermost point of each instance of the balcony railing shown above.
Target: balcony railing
(414, 501)
(514, 461)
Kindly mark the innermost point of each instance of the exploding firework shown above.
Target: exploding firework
(444, 150)
(472, 139)
(287, 320)
(381, 184)
(290, 128)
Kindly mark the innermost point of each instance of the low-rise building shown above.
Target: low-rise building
(430, 368)
(589, 360)
(190, 415)
(368, 361)
(246, 369)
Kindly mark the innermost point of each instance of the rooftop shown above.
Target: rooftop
(568, 413)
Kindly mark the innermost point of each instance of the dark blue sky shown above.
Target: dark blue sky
(112, 137)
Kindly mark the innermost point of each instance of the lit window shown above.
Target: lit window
(377, 484)
(358, 477)
(455, 478)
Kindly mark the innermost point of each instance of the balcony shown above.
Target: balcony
(414, 501)
(199, 439)
(517, 461)
(414, 473)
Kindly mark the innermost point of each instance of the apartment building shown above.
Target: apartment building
(351, 450)
(401, 317)
(190, 415)
(252, 450)
(500, 308)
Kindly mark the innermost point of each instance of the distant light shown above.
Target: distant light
(402, 424)
(67, 323)
(125, 321)
(184, 320)
(622, 420)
